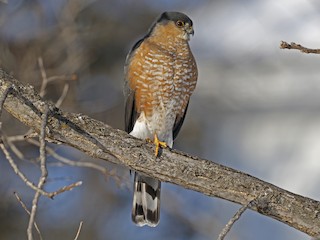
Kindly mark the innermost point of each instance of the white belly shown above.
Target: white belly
(161, 123)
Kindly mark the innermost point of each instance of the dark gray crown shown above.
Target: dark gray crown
(174, 16)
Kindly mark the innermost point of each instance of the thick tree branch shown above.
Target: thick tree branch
(101, 141)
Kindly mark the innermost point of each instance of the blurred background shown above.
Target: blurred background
(256, 108)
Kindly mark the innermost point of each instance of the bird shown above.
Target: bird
(160, 75)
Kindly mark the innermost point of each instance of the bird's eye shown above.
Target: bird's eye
(179, 23)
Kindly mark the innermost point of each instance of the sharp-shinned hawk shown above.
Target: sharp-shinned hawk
(160, 76)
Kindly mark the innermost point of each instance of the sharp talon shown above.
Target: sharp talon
(158, 144)
(157, 151)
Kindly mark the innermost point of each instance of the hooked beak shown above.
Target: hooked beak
(189, 29)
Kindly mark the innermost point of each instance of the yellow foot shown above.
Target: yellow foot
(158, 144)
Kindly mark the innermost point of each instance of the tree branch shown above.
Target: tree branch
(101, 141)
(285, 45)
(28, 212)
(232, 221)
(44, 172)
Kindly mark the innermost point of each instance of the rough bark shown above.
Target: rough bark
(102, 141)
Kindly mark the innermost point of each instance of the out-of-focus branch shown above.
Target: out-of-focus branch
(285, 45)
(67, 161)
(15, 168)
(44, 172)
(44, 83)
(5, 145)
(28, 212)
(18, 172)
(79, 230)
(101, 141)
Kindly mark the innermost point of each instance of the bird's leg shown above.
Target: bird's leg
(158, 144)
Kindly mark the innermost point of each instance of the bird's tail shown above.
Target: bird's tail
(146, 201)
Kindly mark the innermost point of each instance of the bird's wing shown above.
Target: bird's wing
(179, 121)
(131, 113)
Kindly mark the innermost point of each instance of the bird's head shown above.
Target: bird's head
(173, 24)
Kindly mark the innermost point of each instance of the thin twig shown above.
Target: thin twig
(18, 172)
(229, 225)
(44, 78)
(63, 95)
(67, 188)
(22, 137)
(285, 45)
(72, 77)
(14, 149)
(57, 156)
(22, 203)
(44, 172)
(67, 161)
(79, 230)
(27, 211)
(30, 184)
(16, 138)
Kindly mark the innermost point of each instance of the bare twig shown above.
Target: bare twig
(33, 214)
(231, 222)
(285, 45)
(22, 203)
(72, 77)
(28, 212)
(57, 156)
(14, 149)
(44, 83)
(67, 161)
(67, 188)
(25, 179)
(79, 230)
(19, 173)
(44, 172)
(63, 95)
(46, 80)
(16, 138)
